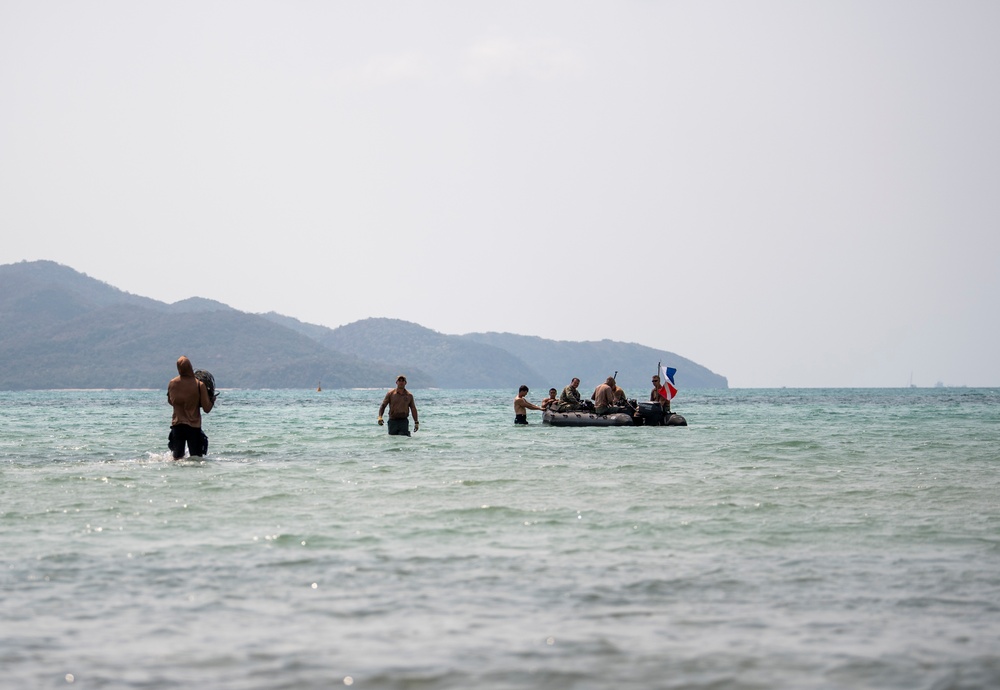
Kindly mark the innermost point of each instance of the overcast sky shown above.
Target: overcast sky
(789, 193)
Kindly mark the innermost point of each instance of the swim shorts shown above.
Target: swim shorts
(399, 427)
(181, 434)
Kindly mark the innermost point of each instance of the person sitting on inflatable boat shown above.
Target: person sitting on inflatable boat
(656, 396)
(569, 399)
(605, 398)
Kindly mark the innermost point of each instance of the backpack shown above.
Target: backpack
(209, 381)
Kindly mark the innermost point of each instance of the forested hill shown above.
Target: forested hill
(491, 360)
(63, 329)
(593, 361)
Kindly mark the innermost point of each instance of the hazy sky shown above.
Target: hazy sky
(790, 193)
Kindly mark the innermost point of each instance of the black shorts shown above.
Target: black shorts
(181, 434)
(399, 427)
(520, 419)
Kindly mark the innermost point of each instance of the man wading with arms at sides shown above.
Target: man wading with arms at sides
(189, 397)
(400, 404)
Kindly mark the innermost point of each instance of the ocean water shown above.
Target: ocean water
(785, 539)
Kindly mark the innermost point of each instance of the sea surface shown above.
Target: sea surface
(784, 539)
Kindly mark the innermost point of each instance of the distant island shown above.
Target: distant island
(64, 329)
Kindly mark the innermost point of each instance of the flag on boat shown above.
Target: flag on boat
(667, 387)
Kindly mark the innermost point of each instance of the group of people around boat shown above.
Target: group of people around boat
(189, 396)
(607, 398)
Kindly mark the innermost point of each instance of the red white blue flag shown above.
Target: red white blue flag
(667, 388)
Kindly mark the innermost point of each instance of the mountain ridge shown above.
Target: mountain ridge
(63, 329)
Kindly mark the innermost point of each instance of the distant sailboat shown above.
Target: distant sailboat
(911, 380)
(319, 387)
